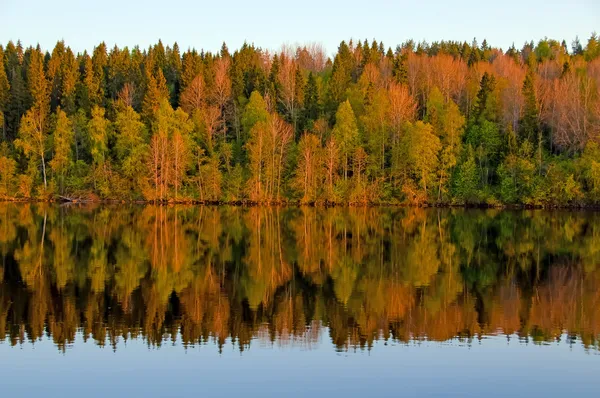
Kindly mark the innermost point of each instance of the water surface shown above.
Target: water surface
(166, 301)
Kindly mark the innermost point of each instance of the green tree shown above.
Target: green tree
(4, 94)
(62, 141)
(33, 138)
(18, 99)
(516, 174)
(312, 105)
(530, 122)
(346, 133)
(256, 111)
(421, 147)
(156, 91)
(8, 169)
(466, 179)
(591, 170)
(341, 76)
(98, 130)
(131, 147)
(448, 124)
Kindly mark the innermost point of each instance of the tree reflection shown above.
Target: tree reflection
(233, 274)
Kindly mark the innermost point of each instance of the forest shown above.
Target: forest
(441, 123)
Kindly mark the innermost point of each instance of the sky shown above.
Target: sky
(271, 23)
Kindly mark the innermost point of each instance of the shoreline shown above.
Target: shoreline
(321, 204)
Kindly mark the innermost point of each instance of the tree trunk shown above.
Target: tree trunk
(44, 171)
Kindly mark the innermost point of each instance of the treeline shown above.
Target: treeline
(231, 274)
(438, 123)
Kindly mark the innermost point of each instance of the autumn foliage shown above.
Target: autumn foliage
(427, 123)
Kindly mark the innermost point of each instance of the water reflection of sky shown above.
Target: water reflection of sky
(492, 366)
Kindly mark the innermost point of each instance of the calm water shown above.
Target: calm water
(171, 301)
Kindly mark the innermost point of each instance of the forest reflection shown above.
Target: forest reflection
(279, 275)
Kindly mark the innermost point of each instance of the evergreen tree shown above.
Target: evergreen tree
(4, 94)
(18, 99)
(37, 83)
(341, 76)
(156, 91)
(400, 68)
(311, 100)
(529, 122)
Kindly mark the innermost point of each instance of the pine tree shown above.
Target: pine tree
(156, 91)
(18, 99)
(529, 122)
(400, 68)
(99, 65)
(173, 72)
(341, 76)
(299, 86)
(311, 101)
(274, 85)
(37, 83)
(4, 94)
(190, 68)
(70, 77)
(485, 105)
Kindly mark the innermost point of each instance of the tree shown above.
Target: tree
(486, 103)
(292, 88)
(4, 94)
(377, 131)
(516, 174)
(37, 83)
(529, 122)
(98, 130)
(221, 92)
(256, 111)
(181, 148)
(193, 97)
(332, 157)
(62, 141)
(466, 179)
(8, 168)
(591, 170)
(311, 101)
(341, 75)
(18, 99)
(421, 148)
(169, 156)
(483, 133)
(267, 147)
(448, 125)
(346, 133)
(33, 138)
(308, 177)
(156, 92)
(131, 147)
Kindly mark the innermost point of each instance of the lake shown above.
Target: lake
(272, 301)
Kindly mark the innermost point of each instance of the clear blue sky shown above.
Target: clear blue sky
(270, 23)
